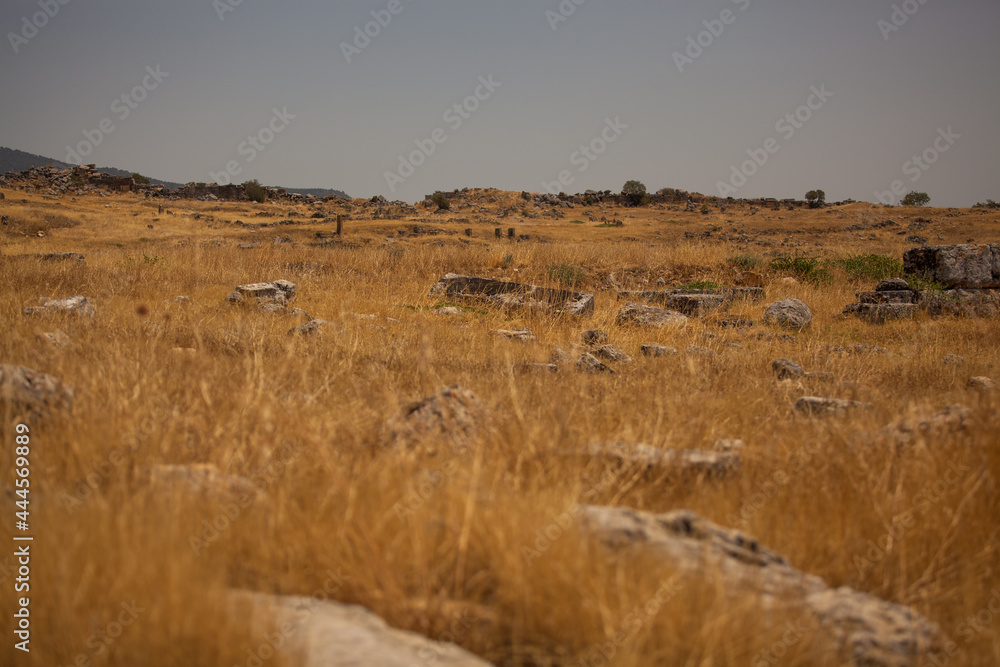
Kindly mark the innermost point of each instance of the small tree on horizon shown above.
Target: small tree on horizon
(816, 198)
(441, 200)
(635, 194)
(916, 199)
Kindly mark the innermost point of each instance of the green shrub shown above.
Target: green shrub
(745, 262)
(916, 199)
(870, 267)
(807, 268)
(255, 191)
(140, 179)
(635, 193)
(920, 283)
(699, 285)
(441, 200)
(567, 274)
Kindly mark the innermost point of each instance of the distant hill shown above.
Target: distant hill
(12, 159)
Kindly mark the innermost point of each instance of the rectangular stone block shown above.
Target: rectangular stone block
(957, 266)
(491, 292)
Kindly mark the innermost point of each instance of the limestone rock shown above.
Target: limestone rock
(650, 316)
(786, 369)
(453, 415)
(789, 313)
(308, 328)
(659, 462)
(278, 290)
(815, 405)
(964, 266)
(28, 393)
(880, 313)
(982, 383)
(892, 285)
(594, 337)
(498, 293)
(657, 350)
(612, 353)
(524, 334)
(591, 364)
(56, 339)
(866, 629)
(72, 305)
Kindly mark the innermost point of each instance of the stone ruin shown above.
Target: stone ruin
(969, 275)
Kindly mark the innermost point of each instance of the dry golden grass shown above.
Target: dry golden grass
(313, 409)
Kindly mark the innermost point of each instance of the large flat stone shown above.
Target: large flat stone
(650, 316)
(880, 313)
(498, 293)
(29, 393)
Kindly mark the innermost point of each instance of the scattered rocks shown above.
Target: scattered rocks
(331, 634)
(452, 415)
(650, 316)
(865, 629)
(735, 323)
(62, 257)
(789, 313)
(880, 313)
(612, 353)
(73, 305)
(656, 350)
(947, 420)
(893, 285)
(29, 393)
(513, 295)
(815, 405)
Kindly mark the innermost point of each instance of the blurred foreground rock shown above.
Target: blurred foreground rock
(453, 416)
(866, 629)
(28, 393)
(330, 634)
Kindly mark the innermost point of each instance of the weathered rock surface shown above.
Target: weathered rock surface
(514, 295)
(880, 313)
(612, 353)
(786, 369)
(789, 313)
(278, 290)
(28, 393)
(72, 305)
(864, 628)
(56, 339)
(658, 461)
(61, 257)
(657, 350)
(594, 337)
(946, 421)
(524, 334)
(588, 363)
(308, 328)
(885, 296)
(331, 634)
(650, 316)
(816, 405)
(453, 416)
(893, 285)
(962, 266)
(981, 383)
(960, 302)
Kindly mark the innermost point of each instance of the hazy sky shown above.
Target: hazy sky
(626, 80)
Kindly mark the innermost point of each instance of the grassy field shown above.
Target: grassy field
(424, 539)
